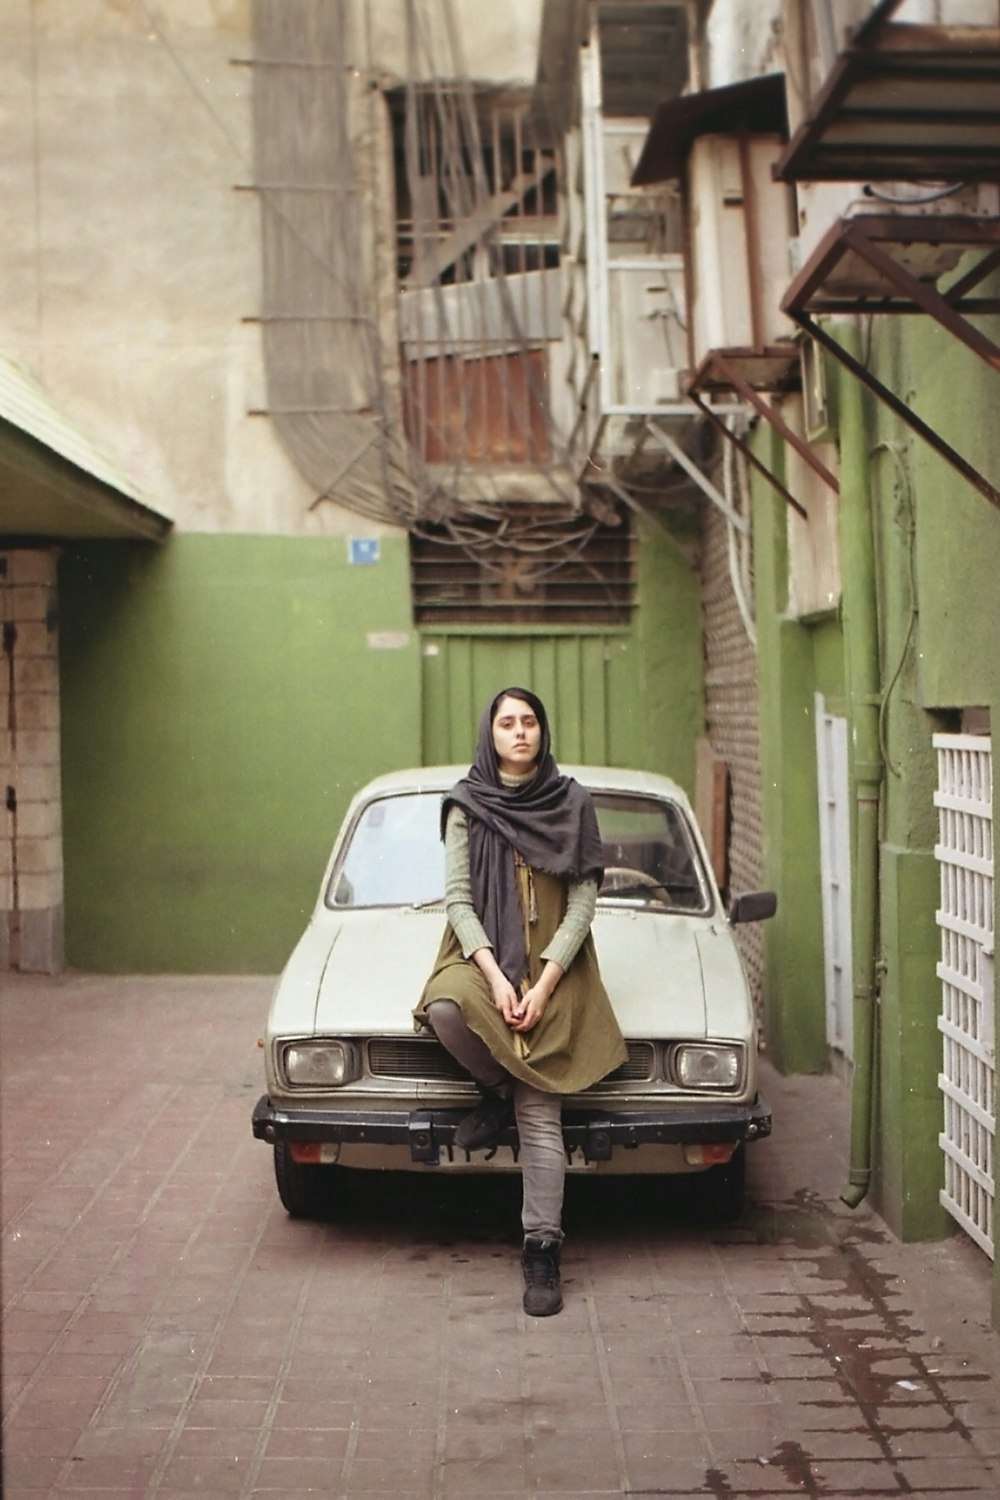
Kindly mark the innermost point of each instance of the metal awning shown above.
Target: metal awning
(898, 263)
(904, 102)
(756, 106)
(54, 482)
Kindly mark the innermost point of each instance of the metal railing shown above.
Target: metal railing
(967, 1023)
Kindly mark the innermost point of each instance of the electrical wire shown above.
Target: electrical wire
(905, 493)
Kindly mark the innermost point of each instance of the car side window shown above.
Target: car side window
(650, 854)
(393, 855)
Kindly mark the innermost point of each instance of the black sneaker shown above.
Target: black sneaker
(540, 1264)
(485, 1123)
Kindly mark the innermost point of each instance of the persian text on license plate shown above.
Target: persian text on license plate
(501, 1159)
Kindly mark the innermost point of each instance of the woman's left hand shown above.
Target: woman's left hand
(530, 1009)
(531, 1006)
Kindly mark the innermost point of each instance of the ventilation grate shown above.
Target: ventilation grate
(538, 570)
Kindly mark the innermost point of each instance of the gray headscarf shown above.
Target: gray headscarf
(550, 821)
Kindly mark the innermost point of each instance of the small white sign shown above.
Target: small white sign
(388, 640)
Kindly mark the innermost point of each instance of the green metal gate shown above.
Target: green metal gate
(587, 682)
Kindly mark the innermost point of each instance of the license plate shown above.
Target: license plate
(501, 1159)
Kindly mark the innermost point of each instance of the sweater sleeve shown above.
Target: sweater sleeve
(458, 905)
(581, 903)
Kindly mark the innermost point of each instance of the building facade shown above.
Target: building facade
(595, 344)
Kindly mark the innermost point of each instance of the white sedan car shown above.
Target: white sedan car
(351, 1085)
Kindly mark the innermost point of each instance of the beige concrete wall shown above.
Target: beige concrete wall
(135, 264)
(493, 41)
(135, 261)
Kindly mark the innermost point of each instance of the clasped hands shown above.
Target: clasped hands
(523, 1012)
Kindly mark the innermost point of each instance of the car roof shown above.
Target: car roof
(597, 778)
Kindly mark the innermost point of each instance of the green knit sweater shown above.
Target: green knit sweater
(581, 896)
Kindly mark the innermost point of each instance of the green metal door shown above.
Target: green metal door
(586, 682)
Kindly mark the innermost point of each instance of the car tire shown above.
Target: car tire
(303, 1190)
(719, 1193)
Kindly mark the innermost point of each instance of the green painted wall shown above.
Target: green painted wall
(936, 554)
(908, 1164)
(223, 696)
(787, 675)
(221, 699)
(827, 637)
(956, 530)
(629, 697)
(938, 546)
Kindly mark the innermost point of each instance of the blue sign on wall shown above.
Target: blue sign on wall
(363, 550)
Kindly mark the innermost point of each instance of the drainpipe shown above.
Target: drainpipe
(864, 695)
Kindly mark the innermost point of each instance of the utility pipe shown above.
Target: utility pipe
(861, 641)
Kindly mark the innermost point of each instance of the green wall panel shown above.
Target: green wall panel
(910, 1167)
(947, 535)
(222, 697)
(615, 697)
(795, 1020)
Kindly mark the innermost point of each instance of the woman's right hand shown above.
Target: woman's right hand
(505, 998)
(502, 992)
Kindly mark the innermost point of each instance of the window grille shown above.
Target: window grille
(968, 1077)
(546, 571)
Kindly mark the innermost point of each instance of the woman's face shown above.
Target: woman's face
(517, 736)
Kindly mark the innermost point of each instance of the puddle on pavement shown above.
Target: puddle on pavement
(846, 1311)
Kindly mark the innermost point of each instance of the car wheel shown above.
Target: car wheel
(719, 1192)
(302, 1189)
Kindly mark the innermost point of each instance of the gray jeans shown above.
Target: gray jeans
(539, 1121)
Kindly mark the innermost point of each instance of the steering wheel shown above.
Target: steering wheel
(619, 877)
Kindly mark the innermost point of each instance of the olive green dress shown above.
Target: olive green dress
(577, 1042)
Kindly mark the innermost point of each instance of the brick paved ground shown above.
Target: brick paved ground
(168, 1332)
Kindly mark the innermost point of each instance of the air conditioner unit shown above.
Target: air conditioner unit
(813, 33)
(821, 204)
(739, 223)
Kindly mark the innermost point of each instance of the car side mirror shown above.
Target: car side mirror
(755, 906)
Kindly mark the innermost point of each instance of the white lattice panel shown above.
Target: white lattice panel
(964, 800)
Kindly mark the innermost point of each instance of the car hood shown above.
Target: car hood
(362, 973)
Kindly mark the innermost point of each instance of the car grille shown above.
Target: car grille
(396, 1057)
(406, 1057)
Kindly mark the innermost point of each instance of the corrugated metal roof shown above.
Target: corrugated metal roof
(755, 104)
(100, 500)
(26, 405)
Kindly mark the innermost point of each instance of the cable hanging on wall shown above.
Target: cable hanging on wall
(411, 281)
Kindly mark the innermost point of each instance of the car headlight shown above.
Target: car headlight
(319, 1065)
(708, 1065)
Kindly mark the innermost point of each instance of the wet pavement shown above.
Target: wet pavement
(169, 1332)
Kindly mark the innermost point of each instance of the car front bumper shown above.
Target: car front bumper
(424, 1132)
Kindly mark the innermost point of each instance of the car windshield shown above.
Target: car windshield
(393, 854)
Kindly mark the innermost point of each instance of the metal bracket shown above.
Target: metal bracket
(901, 410)
(597, 1146)
(894, 289)
(738, 522)
(717, 369)
(423, 1146)
(751, 457)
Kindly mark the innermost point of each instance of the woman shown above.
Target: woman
(516, 994)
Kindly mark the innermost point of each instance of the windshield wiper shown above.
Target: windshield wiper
(637, 889)
(675, 888)
(431, 901)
